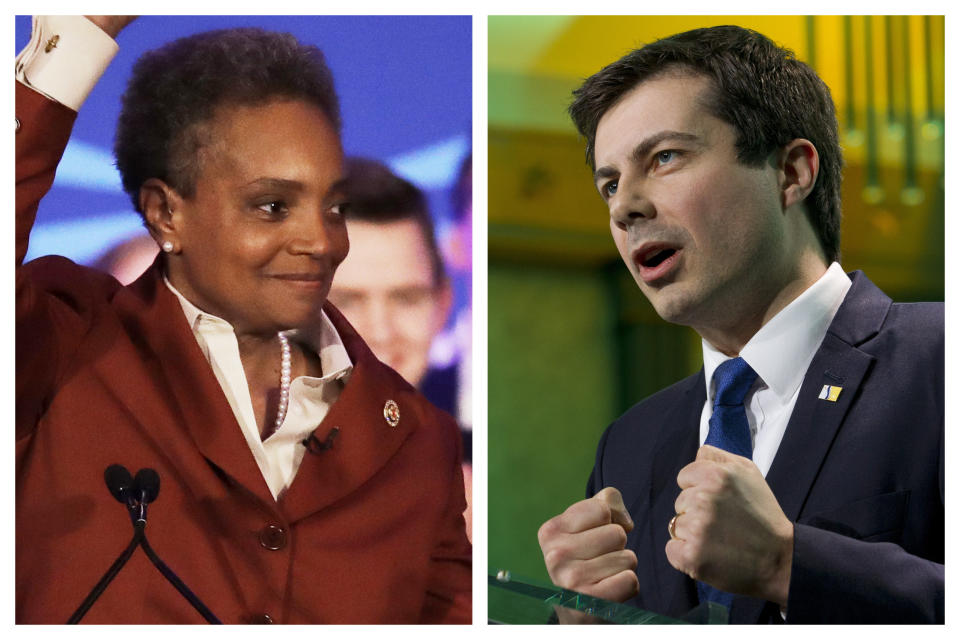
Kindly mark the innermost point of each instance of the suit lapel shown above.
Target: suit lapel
(675, 448)
(815, 422)
(199, 403)
(366, 441)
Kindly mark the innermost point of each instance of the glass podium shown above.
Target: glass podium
(516, 600)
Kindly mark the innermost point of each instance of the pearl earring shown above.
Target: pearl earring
(167, 246)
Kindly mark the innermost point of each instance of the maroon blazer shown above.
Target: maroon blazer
(370, 531)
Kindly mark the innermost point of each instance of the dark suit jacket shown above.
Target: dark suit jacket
(370, 530)
(861, 478)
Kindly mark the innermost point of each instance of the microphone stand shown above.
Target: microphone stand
(110, 574)
(177, 582)
(135, 494)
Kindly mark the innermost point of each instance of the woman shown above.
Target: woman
(302, 480)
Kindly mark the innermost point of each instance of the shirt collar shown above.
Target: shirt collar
(323, 338)
(781, 351)
(193, 313)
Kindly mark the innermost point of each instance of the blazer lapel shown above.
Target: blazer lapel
(200, 405)
(815, 420)
(367, 439)
(675, 448)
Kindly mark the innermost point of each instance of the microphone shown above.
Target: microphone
(147, 485)
(136, 493)
(121, 486)
(119, 482)
(146, 488)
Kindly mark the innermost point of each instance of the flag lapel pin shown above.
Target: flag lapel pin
(830, 392)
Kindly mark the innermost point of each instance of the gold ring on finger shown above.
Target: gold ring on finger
(672, 526)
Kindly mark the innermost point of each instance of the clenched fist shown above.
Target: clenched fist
(583, 548)
(731, 532)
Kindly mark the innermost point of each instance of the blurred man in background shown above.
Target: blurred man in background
(393, 285)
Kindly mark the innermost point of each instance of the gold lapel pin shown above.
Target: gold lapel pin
(391, 413)
(51, 44)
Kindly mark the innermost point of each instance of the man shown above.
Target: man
(799, 475)
(393, 285)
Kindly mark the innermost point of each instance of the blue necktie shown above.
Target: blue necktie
(730, 431)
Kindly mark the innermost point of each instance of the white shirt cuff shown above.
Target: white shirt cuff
(65, 58)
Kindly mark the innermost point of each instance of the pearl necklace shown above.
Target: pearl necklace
(284, 379)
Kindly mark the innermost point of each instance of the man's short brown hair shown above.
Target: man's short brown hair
(762, 90)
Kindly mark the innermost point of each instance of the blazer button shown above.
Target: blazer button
(261, 618)
(273, 537)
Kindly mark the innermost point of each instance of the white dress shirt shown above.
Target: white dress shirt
(278, 456)
(780, 352)
(65, 58)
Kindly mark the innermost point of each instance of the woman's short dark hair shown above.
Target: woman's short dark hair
(762, 90)
(175, 90)
(377, 195)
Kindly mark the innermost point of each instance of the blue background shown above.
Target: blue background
(404, 84)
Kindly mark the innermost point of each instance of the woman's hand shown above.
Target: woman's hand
(111, 25)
